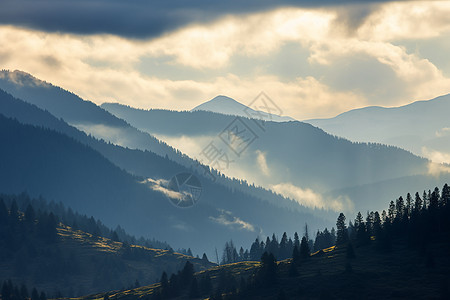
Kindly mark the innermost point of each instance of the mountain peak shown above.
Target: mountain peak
(22, 78)
(228, 106)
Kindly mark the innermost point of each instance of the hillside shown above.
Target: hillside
(403, 253)
(372, 276)
(82, 114)
(38, 250)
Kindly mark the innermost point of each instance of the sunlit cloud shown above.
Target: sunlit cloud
(262, 163)
(308, 197)
(407, 20)
(226, 218)
(160, 185)
(105, 68)
(436, 156)
(436, 169)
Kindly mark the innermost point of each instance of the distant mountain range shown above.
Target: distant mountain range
(422, 127)
(292, 158)
(55, 160)
(228, 106)
(95, 121)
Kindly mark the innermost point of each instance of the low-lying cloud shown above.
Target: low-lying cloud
(309, 198)
(262, 162)
(160, 185)
(226, 218)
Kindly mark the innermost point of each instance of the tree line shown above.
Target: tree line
(281, 249)
(80, 222)
(415, 220)
(12, 291)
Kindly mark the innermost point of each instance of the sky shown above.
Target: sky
(314, 59)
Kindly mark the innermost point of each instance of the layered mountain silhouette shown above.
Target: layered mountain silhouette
(82, 114)
(55, 160)
(291, 157)
(422, 127)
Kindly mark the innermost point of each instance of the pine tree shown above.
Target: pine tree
(376, 224)
(417, 203)
(391, 211)
(268, 271)
(296, 240)
(399, 209)
(445, 197)
(342, 236)
(204, 257)
(304, 248)
(283, 250)
(255, 252)
(296, 255)
(409, 206)
(425, 200)
(187, 274)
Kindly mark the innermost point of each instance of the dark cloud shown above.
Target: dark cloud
(133, 18)
(352, 17)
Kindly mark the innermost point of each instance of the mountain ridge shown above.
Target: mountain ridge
(228, 106)
(421, 127)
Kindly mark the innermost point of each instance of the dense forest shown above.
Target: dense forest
(416, 227)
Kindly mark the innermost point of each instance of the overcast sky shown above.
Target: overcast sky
(313, 58)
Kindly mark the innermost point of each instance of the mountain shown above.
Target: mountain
(69, 170)
(84, 115)
(228, 106)
(422, 127)
(95, 121)
(292, 158)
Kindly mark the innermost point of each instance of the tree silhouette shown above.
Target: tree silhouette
(304, 248)
(342, 236)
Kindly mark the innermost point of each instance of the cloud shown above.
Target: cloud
(226, 218)
(111, 134)
(105, 68)
(436, 169)
(160, 185)
(262, 163)
(440, 161)
(138, 18)
(407, 20)
(309, 198)
(436, 156)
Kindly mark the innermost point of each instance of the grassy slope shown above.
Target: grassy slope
(402, 273)
(91, 264)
